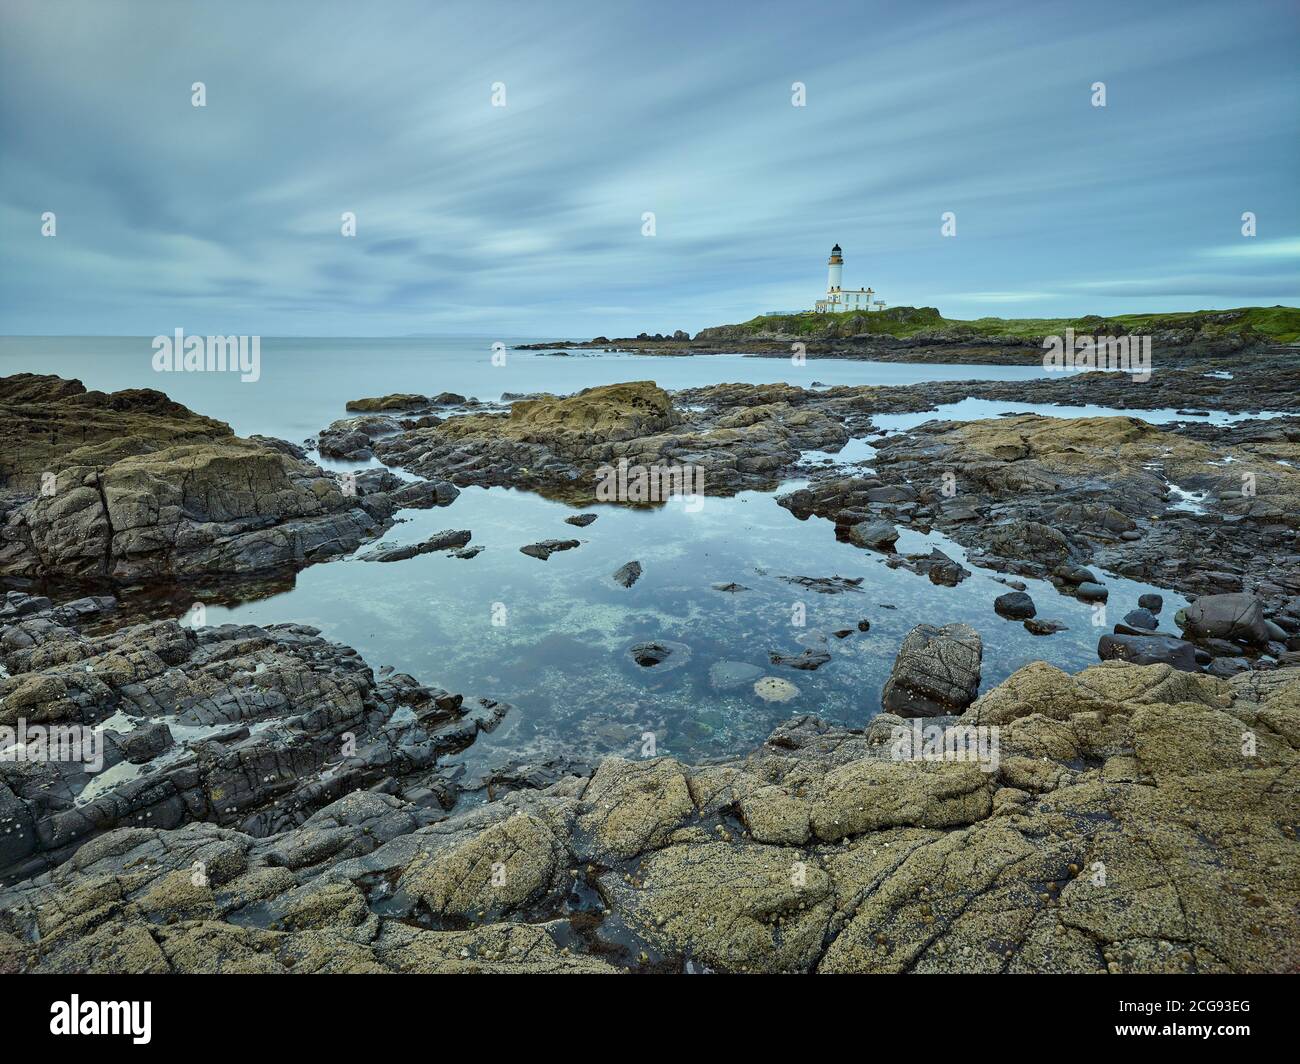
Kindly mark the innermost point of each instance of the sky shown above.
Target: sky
(528, 219)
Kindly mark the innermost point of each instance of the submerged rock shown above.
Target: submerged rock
(775, 689)
(808, 659)
(727, 675)
(627, 575)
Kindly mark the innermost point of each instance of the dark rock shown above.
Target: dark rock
(273, 723)
(1016, 605)
(144, 743)
(628, 574)
(1148, 650)
(1141, 618)
(444, 540)
(1090, 592)
(937, 566)
(937, 671)
(581, 520)
(1151, 602)
(876, 535)
(547, 547)
(825, 585)
(661, 655)
(1235, 616)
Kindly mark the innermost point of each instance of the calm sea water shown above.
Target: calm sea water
(558, 650)
(305, 382)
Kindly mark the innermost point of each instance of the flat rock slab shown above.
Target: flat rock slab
(447, 539)
(1148, 650)
(547, 547)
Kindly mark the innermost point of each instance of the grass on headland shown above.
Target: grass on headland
(1279, 324)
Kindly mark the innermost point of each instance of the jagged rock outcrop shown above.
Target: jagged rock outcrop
(558, 446)
(1118, 823)
(248, 727)
(131, 487)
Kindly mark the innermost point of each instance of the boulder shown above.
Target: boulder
(1141, 618)
(937, 671)
(1016, 605)
(1238, 616)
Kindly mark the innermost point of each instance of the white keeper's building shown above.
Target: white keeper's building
(840, 300)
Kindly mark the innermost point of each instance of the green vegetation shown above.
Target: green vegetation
(1278, 324)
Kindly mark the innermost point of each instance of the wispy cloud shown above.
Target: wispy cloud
(1255, 248)
(527, 219)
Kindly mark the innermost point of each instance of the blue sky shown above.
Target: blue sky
(527, 219)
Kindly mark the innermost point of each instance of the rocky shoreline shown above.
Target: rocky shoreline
(268, 802)
(911, 334)
(1118, 828)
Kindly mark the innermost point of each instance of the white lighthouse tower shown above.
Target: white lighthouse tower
(840, 300)
(835, 271)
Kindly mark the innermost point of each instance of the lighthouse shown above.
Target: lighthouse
(840, 300)
(835, 271)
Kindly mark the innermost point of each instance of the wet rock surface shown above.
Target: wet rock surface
(1121, 829)
(248, 727)
(1121, 826)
